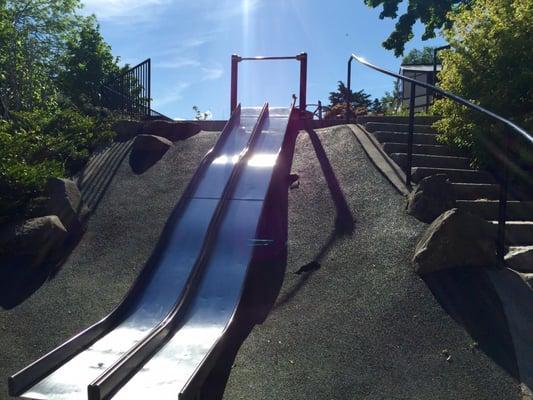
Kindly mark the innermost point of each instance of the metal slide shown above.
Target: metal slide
(162, 286)
(182, 350)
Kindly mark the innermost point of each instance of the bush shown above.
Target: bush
(490, 62)
(338, 111)
(37, 145)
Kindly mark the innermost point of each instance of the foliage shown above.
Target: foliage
(416, 57)
(490, 62)
(338, 111)
(36, 145)
(391, 102)
(201, 115)
(52, 62)
(376, 107)
(432, 13)
(86, 64)
(33, 37)
(343, 95)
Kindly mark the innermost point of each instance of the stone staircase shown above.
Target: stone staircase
(476, 191)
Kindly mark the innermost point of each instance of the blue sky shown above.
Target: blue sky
(190, 43)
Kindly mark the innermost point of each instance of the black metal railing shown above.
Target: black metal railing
(512, 130)
(319, 110)
(235, 60)
(130, 93)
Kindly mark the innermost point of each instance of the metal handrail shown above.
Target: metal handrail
(511, 126)
(236, 59)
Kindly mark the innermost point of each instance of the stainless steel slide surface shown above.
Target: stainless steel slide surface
(216, 299)
(167, 281)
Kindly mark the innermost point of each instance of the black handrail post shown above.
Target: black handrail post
(319, 110)
(302, 57)
(348, 85)
(502, 205)
(234, 76)
(410, 136)
(149, 86)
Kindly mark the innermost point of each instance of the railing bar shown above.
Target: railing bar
(458, 99)
(410, 136)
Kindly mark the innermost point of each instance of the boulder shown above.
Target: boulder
(171, 130)
(126, 129)
(433, 195)
(34, 239)
(146, 151)
(520, 259)
(65, 201)
(456, 239)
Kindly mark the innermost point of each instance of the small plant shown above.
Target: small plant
(201, 115)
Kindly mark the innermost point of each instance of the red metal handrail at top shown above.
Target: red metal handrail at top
(236, 59)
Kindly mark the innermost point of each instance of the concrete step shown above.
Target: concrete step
(474, 191)
(425, 120)
(399, 137)
(518, 233)
(455, 175)
(488, 209)
(387, 127)
(430, 149)
(425, 160)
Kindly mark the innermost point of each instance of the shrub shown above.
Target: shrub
(491, 63)
(36, 145)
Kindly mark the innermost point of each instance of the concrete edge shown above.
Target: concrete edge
(380, 159)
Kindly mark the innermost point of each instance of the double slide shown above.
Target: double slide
(161, 337)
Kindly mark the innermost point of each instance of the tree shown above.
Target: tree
(86, 64)
(415, 56)
(491, 62)
(432, 13)
(33, 36)
(201, 115)
(391, 102)
(343, 95)
(376, 107)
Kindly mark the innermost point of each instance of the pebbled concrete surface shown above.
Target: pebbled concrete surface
(363, 326)
(119, 239)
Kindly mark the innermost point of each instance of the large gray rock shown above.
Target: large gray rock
(65, 201)
(456, 239)
(433, 195)
(146, 151)
(126, 129)
(34, 239)
(171, 130)
(520, 259)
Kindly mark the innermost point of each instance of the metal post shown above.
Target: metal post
(149, 81)
(502, 209)
(319, 110)
(349, 84)
(302, 57)
(410, 136)
(234, 76)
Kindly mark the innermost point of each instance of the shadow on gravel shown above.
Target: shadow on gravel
(469, 297)
(344, 221)
(333, 237)
(99, 173)
(19, 280)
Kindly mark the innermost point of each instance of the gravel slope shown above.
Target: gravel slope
(363, 326)
(119, 239)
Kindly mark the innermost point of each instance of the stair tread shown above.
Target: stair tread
(435, 156)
